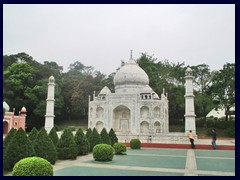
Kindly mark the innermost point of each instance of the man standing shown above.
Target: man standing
(190, 135)
(214, 138)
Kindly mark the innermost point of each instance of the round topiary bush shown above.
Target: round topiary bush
(120, 148)
(32, 166)
(135, 144)
(103, 152)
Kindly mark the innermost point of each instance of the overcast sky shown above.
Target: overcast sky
(102, 35)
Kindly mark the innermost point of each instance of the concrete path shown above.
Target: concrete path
(153, 162)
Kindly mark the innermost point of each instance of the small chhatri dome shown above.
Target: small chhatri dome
(105, 91)
(6, 106)
(146, 89)
(23, 110)
(155, 95)
(188, 69)
(51, 79)
(131, 74)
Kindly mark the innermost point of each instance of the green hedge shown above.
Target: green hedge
(135, 144)
(103, 152)
(120, 148)
(33, 166)
(231, 132)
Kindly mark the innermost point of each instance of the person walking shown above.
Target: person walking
(190, 135)
(214, 138)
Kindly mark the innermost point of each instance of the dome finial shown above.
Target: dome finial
(131, 54)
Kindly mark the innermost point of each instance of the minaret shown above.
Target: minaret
(49, 117)
(189, 103)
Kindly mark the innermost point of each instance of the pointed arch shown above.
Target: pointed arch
(121, 118)
(5, 127)
(144, 127)
(99, 113)
(99, 126)
(144, 112)
(157, 127)
(156, 112)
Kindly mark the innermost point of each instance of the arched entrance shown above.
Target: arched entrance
(99, 114)
(121, 118)
(99, 126)
(5, 127)
(157, 127)
(144, 127)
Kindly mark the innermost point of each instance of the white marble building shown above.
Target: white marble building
(134, 110)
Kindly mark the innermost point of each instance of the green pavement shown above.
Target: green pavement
(92, 171)
(153, 162)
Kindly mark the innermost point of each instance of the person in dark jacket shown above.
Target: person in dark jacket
(214, 138)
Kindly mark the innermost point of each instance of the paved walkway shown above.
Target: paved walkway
(153, 162)
(167, 161)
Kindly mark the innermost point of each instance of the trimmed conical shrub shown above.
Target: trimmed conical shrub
(44, 147)
(66, 146)
(8, 139)
(20, 147)
(53, 136)
(113, 137)
(33, 134)
(94, 139)
(105, 137)
(82, 142)
(88, 133)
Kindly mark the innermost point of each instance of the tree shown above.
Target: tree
(105, 137)
(202, 83)
(82, 142)
(53, 136)
(33, 134)
(17, 79)
(169, 76)
(44, 147)
(223, 88)
(113, 137)
(94, 139)
(20, 147)
(82, 90)
(66, 147)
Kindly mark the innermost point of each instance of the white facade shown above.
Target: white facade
(49, 117)
(134, 110)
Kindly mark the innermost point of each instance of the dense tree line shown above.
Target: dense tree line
(25, 84)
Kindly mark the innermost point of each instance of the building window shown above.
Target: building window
(15, 123)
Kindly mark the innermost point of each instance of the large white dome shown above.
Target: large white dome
(131, 74)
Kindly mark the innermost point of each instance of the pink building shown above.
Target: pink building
(12, 121)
